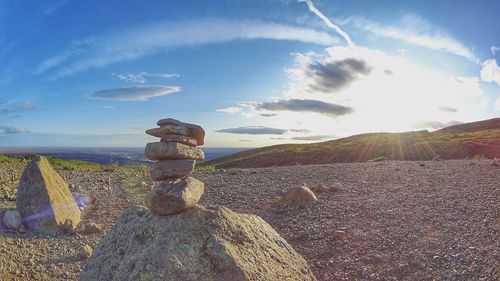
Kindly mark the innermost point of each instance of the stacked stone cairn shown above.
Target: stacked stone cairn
(176, 154)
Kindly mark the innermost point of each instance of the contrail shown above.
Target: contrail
(328, 22)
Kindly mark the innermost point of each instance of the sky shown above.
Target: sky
(252, 73)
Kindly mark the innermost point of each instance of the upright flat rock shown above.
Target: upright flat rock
(197, 244)
(44, 199)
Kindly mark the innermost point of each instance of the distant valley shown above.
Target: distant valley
(108, 156)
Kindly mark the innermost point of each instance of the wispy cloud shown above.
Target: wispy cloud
(490, 71)
(8, 130)
(328, 22)
(229, 110)
(494, 49)
(253, 130)
(18, 108)
(132, 43)
(447, 109)
(141, 77)
(306, 105)
(135, 93)
(415, 30)
(53, 7)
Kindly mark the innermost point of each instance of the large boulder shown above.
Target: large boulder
(44, 199)
(197, 244)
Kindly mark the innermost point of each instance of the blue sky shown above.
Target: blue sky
(252, 73)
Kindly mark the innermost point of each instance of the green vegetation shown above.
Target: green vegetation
(70, 165)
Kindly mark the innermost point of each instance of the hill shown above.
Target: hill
(476, 139)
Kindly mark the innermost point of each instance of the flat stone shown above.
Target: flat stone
(168, 130)
(173, 197)
(181, 139)
(172, 169)
(194, 131)
(172, 151)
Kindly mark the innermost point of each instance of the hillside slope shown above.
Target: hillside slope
(455, 142)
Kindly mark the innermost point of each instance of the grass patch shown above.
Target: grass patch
(72, 165)
(205, 168)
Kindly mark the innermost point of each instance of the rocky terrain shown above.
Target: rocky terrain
(390, 220)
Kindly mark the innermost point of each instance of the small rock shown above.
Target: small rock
(337, 187)
(422, 165)
(144, 184)
(340, 234)
(85, 251)
(12, 219)
(299, 196)
(494, 163)
(69, 227)
(320, 188)
(91, 228)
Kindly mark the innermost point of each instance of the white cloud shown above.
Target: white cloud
(141, 77)
(490, 71)
(415, 30)
(494, 49)
(497, 104)
(135, 93)
(132, 43)
(380, 102)
(229, 110)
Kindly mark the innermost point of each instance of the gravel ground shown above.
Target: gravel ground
(435, 220)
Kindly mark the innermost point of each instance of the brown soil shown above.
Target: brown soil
(435, 220)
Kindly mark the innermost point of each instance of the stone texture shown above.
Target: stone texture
(44, 199)
(168, 130)
(178, 138)
(197, 244)
(299, 196)
(12, 219)
(85, 252)
(172, 151)
(173, 197)
(194, 131)
(172, 169)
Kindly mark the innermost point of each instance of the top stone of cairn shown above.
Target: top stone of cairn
(169, 127)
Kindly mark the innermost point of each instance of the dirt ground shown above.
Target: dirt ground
(436, 220)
